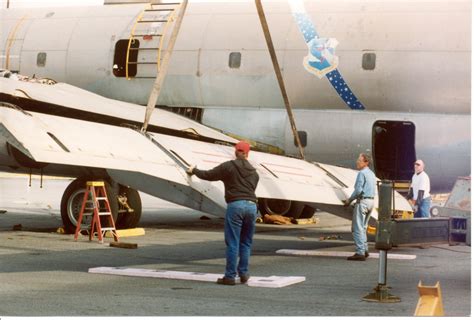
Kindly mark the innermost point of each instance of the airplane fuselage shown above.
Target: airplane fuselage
(408, 63)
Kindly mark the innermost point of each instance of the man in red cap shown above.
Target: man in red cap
(240, 181)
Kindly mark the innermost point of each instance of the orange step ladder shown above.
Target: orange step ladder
(96, 195)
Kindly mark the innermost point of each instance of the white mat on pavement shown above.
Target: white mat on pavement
(318, 253)
(267, 282)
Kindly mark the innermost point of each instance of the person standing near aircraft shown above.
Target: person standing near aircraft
(364, 191)
(419, 194)
(240, 181)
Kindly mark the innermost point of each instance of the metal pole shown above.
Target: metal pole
(8, 4)
(382, 267)
(383, 242)
(155, 91)
(276, 67)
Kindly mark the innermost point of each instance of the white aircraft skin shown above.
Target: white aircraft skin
(68, 143)
(421, 75)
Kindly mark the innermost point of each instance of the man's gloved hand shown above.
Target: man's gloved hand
(190, 170)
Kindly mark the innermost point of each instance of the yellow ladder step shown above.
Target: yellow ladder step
(95, 183)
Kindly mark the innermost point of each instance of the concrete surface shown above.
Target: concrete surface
(43, 273)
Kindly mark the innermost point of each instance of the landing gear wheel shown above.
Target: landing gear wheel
(308, 212)
(273, 206)
(71, 203)
(296, 209)
(127, 219)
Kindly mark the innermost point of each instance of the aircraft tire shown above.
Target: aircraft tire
(273, 206)
(296, 210)
(307, 212)
(127, 220)
(72, 198)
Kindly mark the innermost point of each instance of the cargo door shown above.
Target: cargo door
(393, 144)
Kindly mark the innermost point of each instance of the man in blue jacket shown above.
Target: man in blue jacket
(364, 192)
(240, 181)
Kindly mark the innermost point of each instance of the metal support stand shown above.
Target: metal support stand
(380, 293)
(383, 242)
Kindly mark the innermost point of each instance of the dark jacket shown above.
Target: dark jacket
(239, 177)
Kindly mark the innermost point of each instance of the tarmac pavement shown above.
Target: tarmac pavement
(43, 273)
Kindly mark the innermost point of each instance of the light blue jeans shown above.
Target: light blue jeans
(424, 208)
(239, 228)
(360, 221)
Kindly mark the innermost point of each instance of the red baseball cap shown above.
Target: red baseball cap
(242, 146)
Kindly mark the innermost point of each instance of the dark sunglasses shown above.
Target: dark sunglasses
(417, 164)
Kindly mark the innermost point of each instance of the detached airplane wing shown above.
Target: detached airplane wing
(154, 163)
(69, 101)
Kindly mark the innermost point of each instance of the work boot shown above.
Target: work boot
(226, 281)
(367, 254)
(244, 278)
(357, 257)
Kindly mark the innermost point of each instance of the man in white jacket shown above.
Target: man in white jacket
(419, 194)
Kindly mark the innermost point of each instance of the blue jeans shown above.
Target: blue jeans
(360, 221)
(239, 228)
(424, 208)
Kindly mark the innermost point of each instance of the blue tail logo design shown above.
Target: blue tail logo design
(321, 59)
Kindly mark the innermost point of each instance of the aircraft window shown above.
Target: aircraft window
(368, 61)
(120, 58)
(41, 59)
(303, 138)
(234, 60)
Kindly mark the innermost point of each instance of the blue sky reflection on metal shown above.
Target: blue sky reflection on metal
(321, 59)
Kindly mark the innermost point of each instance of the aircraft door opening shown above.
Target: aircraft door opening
(393, 145)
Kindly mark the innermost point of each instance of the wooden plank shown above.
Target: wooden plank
(123, 245)
(266, 282)
(317, 253)
(134, 232)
